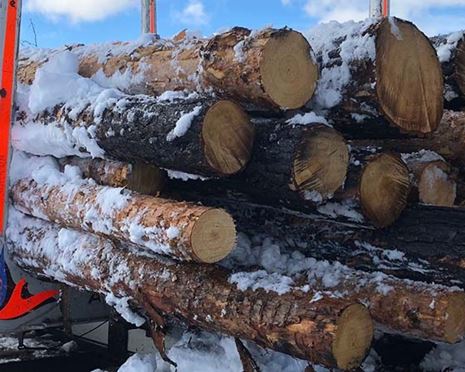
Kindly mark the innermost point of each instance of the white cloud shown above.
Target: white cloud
(193, 14)
(81, 10)
(285, 2)
(423, 12)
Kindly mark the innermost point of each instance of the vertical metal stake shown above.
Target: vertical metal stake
(149, 16)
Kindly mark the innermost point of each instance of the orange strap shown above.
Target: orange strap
(6, 97)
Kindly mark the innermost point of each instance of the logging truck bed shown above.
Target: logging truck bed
(196, 183)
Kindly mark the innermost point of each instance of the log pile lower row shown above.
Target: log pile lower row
(146, 194)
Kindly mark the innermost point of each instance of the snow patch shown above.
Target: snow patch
(183, 124)
(307, 118)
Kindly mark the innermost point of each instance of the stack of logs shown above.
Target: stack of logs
(249, 149)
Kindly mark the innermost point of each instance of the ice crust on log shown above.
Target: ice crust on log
(329, 331)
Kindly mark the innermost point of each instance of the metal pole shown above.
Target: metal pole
(380, 8)
(149, 16)
(10, 16)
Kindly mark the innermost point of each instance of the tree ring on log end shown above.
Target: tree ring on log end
(354, 335)
(455, 322)
(228, 137)
(460, 66)
(146, 179)
(320, 162)
(409, 77)
(384, 189)
(213, 236)
(289, 74)
(436, 187)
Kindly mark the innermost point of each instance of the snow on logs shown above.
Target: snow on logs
(328, 330)
(139, 177)
(201, 136)
(181, 230)
(268, 68)
(376, 73)
(451, 53)
(414, 308)
(338, 225)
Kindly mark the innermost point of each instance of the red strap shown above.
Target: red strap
(18, 306)
(6, 98)
(385, 8)
(152, 16)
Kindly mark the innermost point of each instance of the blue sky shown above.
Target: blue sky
(59, 22)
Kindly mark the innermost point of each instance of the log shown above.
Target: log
(381, 184)
(378, 72)
(331, 331)
(426, 235)
(451, 52)
(291, 165)
(433, 179)
(184, 231)
(270, 68)
(448, 140)
(139, 177)
(428, 311)
(200, 136)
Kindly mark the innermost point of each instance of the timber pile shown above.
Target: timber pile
(358, 184)
(451, 52)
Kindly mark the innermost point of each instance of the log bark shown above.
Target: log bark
(331, 331)
(448, 140)
(181, 230)
(451, 52)
(270, 68)
(200, 136)
(378, 73)
(139, 177)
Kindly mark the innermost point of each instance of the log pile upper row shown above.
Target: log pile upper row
(347, 131)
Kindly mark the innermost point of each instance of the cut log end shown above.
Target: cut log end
(460, 66)
(455, 323)
(353, 337)
(213, 236)
(146, 179)
(289, 74)
(228, 137)
(436, 186)
(409, 77)
(384, 189)
(321, 162)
